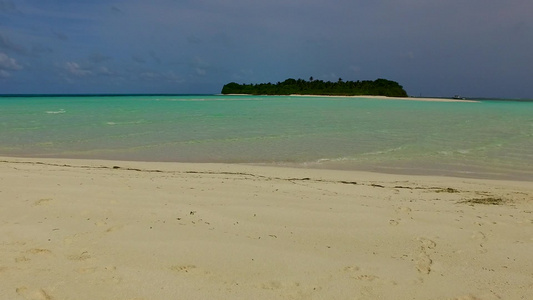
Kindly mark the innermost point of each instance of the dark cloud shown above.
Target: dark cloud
(155, 57)
(9, 46)
(35, 50)
(116, 10)
(38, 49)
(439, 48)
(194, 40)
(75, 69)
(8, 64)
(138, 59)
(60, 36)
(97, 58)
(105, 71)
(7, 5)
(200, 66)
(167, 76)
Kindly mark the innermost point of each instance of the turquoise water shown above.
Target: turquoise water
(488, 139)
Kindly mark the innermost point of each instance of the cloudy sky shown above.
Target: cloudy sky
(431, 47)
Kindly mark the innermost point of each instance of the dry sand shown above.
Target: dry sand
(79, 229)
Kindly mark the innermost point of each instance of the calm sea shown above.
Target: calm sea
(488, 139)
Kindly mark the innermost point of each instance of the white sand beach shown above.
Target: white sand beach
(87, 229)
(430, 99)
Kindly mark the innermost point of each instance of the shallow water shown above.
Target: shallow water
(487, 139)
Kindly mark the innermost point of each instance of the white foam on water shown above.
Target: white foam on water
(386, 151)
(61, 111)
(125, 123)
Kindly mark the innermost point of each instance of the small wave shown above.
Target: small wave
(359, 157)
(327, 160)
(386, 151)
(187, 100)
(125, 123)
(61, 111)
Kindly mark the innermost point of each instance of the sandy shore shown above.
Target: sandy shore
(76, 229)
(395, 98)
(372, 97)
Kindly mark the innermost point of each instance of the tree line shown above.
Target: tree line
(378, 87)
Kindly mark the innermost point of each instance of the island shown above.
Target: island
(378, 87)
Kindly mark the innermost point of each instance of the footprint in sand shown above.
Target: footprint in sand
(34, 251)
(272, 285)
(351, 269)
(277, 285)
(189, 269)
(43, 202)
(367, 277)
(113, 228)
(106, 274)
(21, 259)
(354, 270)
(481, 237)
(403, 209)
(183, 268)
(39, 251)
(79, 257)
(33, 294)
(469, 297)
(427, 244)
(394, 222)
(424, 261)
(89, 270)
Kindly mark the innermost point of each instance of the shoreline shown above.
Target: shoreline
(385, 169)
(99, 229)
(393, 98)
(429, 99)
(156, 166)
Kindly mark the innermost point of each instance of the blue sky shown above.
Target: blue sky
(433, 48)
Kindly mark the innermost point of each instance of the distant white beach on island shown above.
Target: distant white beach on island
(393, 98)
(433, 99)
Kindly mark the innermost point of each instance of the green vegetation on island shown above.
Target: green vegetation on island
(378, 87)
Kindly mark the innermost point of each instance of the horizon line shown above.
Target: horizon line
(204, 94)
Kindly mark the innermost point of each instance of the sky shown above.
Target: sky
(473, 48)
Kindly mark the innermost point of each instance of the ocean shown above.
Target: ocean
(486, 139)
